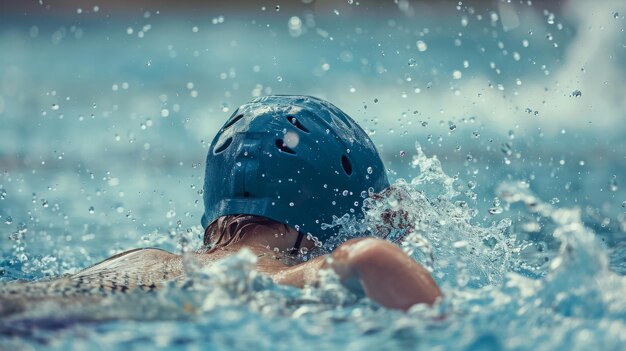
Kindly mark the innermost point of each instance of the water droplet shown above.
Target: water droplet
(495, 210)
(577, 93)
(623, 205)
(9, 219)
(91, 209)
(457, 74)
(412, 62)
(3, 194)
(451, 126)
(613, 184)
(345, 193)
(507, 148)
(55, 107)
(44, 203)
(369, 170)
(615, 15)
(291, 204)
(421, 46)
(277, 8)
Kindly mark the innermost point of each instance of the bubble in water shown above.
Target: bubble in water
(55, 107)
(615, 15)
(91, 210)
(412, 62)
(457, 74)
(369, 170)
(623, 205)
(291, 204)
(613, 184)
(9, 219)
(44, 203)
(3, 194)
(451, 126)
(577, 93)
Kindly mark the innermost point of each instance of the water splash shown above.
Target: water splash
(423, 219)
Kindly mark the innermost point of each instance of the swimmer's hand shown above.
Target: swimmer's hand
(380, 269)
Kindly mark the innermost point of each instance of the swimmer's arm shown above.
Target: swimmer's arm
(380, 269)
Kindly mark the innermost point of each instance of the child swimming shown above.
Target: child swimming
(276, 171)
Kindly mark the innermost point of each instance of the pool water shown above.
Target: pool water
(501, 124)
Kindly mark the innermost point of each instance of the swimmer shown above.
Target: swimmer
(278, 169)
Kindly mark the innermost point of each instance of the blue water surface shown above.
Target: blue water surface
(501, 124)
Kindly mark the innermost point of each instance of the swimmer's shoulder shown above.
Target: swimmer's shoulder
(144, 268)
(139, 257)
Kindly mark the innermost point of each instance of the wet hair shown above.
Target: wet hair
(230, 229)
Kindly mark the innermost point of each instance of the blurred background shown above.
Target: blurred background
(107, 108)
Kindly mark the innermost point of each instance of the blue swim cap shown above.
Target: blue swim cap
(297, 160)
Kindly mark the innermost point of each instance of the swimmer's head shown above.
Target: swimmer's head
(297, 160)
